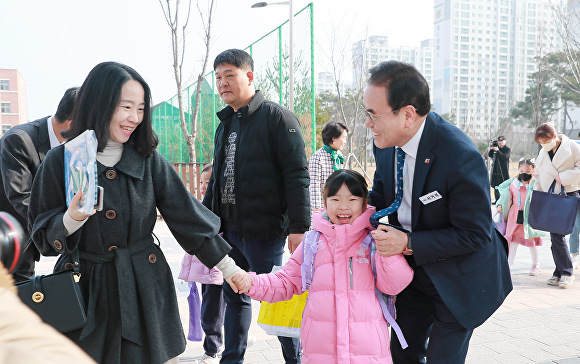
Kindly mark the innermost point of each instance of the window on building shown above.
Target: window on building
(4, 85)
(5, 108)
(5, 128)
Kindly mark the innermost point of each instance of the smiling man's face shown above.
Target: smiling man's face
(389, 127)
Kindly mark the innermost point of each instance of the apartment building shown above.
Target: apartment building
(484, 52)
(369, 52)
(13, 110)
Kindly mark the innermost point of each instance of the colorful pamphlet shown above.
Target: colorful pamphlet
(80, 170)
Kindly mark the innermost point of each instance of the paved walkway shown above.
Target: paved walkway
(536, 324)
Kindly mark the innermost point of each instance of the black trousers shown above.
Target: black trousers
(423, 316)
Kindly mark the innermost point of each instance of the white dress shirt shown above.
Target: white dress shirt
(52, 135)
(410, 149)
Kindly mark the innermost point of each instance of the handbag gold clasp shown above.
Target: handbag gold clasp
(77, 277)
(37, 297)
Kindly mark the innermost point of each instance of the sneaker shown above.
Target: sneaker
(554, 281)
(206, 359)
(251, 340)
(575, 261)
(535, 270)
(566, 281)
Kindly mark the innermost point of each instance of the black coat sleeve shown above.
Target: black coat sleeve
(194, 226)
(291, 157)
(15, 161)
(504, 153)
(48, 206)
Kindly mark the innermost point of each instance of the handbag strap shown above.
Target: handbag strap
(76, 265)
(553, 187)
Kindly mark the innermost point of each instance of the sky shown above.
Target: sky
(54, 44)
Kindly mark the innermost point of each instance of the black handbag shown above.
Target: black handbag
(553, 212)
(56, 298)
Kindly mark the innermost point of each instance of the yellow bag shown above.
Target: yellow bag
(283, 318)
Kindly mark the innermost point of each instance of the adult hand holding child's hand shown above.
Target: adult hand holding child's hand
(241, 281)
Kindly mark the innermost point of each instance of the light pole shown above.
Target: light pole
(291, 48)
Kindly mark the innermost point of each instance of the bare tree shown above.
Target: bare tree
(567, 16)
(171, 11)
(334, 50)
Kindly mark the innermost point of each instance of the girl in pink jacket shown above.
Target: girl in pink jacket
(343, 321)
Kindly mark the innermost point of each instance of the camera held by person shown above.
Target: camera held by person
(500, 154)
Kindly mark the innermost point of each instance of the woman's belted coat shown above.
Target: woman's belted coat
(126, 282)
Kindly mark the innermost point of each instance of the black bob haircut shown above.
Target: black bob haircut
(332, 130)
(98, 99)
(354, 181)
(236, 57)
(404, 85)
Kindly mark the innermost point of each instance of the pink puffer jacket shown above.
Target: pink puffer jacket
(342, 321)
(192, 270)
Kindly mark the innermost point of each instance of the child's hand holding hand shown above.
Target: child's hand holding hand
(242, 280)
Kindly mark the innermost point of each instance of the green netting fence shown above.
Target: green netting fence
(271, 71)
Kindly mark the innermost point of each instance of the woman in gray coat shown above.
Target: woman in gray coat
(132, 313)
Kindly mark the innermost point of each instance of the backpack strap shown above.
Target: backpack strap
(309, 250)
(386, 301)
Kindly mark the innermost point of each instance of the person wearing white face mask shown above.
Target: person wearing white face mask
(559, 159)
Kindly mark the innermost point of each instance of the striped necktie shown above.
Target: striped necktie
(398, 197)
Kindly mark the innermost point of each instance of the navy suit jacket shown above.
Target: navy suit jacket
(454, 238)
(22, 149)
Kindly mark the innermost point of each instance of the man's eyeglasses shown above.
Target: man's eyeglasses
(529, 161)
(373, 118)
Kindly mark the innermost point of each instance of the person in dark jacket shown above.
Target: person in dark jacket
(132, 313)
(259, 188)
(500, 155)
(439, 195)
(22, 149)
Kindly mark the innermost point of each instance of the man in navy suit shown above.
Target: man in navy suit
(22, 149)
(459, 258)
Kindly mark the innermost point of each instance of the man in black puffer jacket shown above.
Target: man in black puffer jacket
(259, 188)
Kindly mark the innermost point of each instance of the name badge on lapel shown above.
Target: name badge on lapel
(430, 197)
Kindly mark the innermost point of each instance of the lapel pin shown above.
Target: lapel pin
(427, 160)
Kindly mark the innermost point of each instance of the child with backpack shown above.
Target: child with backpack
(343, 321)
